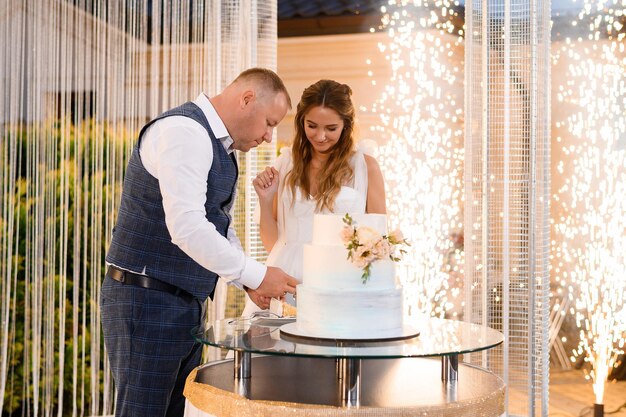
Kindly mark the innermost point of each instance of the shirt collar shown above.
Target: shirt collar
(217, 125)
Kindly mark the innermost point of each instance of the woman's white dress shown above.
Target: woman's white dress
(295, 223)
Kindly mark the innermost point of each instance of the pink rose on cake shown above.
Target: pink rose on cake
(362, 258)
(365, 245)
(346, 234)
(368, 236)
(396, 237)
(383, 249)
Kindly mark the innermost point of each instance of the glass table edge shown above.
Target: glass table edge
(332, 355)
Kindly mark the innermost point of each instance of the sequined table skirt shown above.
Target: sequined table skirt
(300, 386)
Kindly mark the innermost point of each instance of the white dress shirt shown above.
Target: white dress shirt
(177, 151)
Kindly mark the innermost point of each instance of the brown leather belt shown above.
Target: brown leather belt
(143, 281)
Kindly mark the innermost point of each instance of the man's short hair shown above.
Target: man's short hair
(268, 80)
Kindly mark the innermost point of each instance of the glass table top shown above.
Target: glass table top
(437, 337)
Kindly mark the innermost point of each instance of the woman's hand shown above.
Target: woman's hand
(266, 184)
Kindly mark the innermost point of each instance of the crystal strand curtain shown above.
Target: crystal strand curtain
(507, 186)
(78, 79)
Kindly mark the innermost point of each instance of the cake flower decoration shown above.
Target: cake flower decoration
(365, 245)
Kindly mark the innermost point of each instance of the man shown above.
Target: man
(174, 237)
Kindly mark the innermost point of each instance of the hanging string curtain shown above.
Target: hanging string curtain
(78, 80)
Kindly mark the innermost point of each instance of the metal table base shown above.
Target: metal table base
(350, 382)
(348, 375)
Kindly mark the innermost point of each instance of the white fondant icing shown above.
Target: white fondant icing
(328, 267)
(332, 301)
(349, 314)
(327, 227)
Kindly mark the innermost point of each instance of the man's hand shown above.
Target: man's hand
(276, 283)
(259, 300)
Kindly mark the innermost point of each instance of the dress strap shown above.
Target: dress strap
(360, 173)
(284, 165)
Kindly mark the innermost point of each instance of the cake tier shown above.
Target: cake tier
(349, 314)
(327, 267)
(327, 227)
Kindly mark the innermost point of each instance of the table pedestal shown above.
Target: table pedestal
(282, 386)
(348, 373)
(349, 378)
(242, 365)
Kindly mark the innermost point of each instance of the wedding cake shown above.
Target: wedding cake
(336, 299)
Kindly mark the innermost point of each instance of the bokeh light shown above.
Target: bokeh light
(589, 222)
(421, 123)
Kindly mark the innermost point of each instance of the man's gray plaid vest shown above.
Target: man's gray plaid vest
(141, 240)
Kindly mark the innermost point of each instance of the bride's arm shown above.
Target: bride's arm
(375, 187)
(268, 226)
(266, 186)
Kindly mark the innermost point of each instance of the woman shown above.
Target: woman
(322, 173)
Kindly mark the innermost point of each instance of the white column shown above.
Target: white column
(507, 186)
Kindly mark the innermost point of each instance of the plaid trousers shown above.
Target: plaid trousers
(150, 348)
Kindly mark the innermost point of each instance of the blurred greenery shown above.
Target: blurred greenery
(58, 171)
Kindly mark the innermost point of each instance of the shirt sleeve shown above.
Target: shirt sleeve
(178, 152)
(251, 270)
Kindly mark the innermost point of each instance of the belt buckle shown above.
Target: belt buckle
(122, 276)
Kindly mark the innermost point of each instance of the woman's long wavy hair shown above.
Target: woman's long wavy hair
(337, 171)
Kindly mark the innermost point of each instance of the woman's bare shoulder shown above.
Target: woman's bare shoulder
(371, 162)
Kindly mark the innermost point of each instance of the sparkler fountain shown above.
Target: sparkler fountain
(589, 247)
(420, 114)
